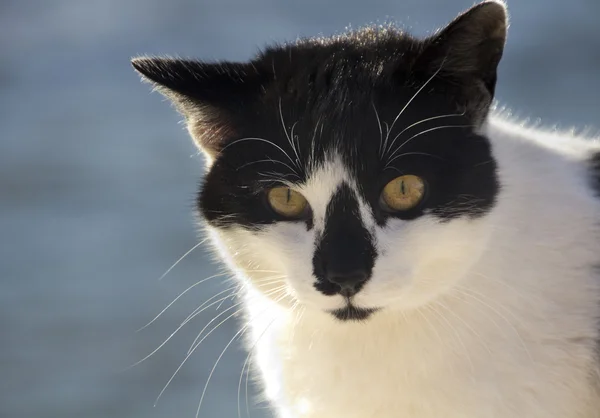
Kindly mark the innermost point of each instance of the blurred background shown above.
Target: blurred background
(97, 181)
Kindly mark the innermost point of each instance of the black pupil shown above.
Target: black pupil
(402, 189)
(289, 195)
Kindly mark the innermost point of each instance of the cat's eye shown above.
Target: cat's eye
(287, 202)
(403, 193)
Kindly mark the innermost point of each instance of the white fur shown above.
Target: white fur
(487, 318)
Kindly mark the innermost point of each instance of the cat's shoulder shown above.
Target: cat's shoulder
(560, 150)
(583, 144)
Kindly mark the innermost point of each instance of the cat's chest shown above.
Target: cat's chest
(385, 378)
(429, 371)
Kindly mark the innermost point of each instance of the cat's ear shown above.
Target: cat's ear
(470, 47)
(209, 95)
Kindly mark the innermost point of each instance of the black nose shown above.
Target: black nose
(348, 283)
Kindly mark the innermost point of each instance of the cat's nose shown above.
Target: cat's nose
(348, 282)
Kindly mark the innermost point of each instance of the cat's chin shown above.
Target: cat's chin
(353, 313)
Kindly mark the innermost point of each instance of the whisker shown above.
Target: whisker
(265, 161)
(221, 303)
(505, 284)
(296, 138)
(261, 271)
(385, 149)
(426, 318)
(411, 153)
(246, 388)
(420, 122)
(188, 356)
(178, 297)
(175, 332)
(469, 327)
(200, 308)
(288, 136)
(259, 140)
(456, 333)
(195, 343)
(240, 332)
(181, 258)
(312, 144)
(246, 362)
(474, 296)
(424, 132)
(268, 281)
(278, 176)
(379, 125)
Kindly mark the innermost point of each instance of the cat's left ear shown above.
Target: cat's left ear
(209, 95)
(469, 49)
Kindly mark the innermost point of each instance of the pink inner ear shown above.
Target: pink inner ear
(209, 133)
(209, 95)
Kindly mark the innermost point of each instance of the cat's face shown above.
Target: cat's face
(347, 175)
(396, 218)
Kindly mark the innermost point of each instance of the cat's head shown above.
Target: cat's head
(348, 174)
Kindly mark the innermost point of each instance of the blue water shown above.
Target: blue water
(97, 179)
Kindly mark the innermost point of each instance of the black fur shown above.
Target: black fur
(345, 253)
(339, 94)
(595, 183)
(595, 173)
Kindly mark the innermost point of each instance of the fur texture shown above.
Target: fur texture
(482, 300)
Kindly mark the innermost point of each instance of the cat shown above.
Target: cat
(404, 251)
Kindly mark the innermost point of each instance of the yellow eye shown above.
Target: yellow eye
(403, 193)
(286, 201)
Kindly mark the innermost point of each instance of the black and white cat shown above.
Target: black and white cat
(402, 252)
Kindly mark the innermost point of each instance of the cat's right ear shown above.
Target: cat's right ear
(209, 95)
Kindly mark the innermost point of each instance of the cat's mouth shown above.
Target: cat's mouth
(353, 313)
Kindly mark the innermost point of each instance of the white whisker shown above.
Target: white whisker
(178, 297)
(259, 140)
(385, 149)
(424, 132)
(288, 136)
(200, 308)
(240, 332)
(379, 125)
(410, 153)
(456, 333)
(468, 327)
(195, 343)
(312, 143)
(295, 138)
(268, 160)
(246, 362)
(476, 296)
(181, 258)
(420, 122)
(189, 354)
(175, 332)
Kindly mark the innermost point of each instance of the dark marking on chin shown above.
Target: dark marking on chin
(353, 313)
